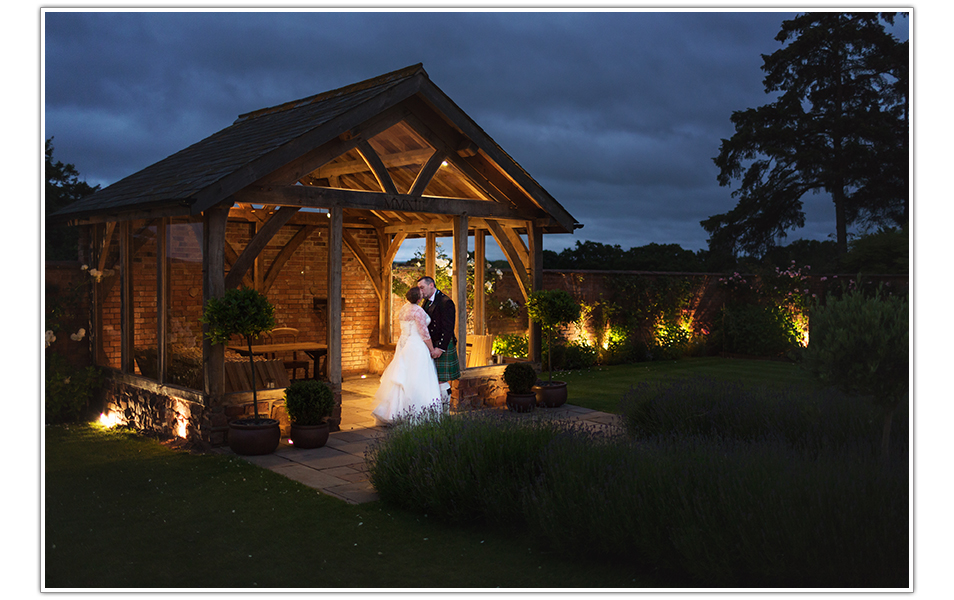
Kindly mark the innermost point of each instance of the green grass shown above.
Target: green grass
(601, 387)
(124, 511)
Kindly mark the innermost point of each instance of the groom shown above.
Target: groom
(443, 314)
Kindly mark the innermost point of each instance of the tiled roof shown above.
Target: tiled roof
(179, 177)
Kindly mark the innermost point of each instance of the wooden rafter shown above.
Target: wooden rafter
(364, 261)
(513, 257)
(427, 173)
(244, 262)
(286, 253)
(377, 167)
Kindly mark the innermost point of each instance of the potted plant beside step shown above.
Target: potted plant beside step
(309, 404)
(520, 378)
(248, 313)
(551, 309)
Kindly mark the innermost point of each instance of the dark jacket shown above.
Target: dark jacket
(443, 315)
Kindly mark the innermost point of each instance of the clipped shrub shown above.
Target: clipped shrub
(309, 402)
(578, 355)
(859, 344)
(520, 377)
(68, 389)
(756, 330)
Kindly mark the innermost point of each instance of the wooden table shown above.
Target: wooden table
(314, 351)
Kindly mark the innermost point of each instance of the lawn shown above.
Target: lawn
(124, 511)
(601, 387)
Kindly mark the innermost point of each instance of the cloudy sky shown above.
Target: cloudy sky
(617, 114)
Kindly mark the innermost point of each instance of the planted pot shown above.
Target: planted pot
(521, 403)
(253, 437)
(550, 394)
(309, 436)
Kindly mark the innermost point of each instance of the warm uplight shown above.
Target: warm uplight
(364, 377)
(109, 419)
(181, 429)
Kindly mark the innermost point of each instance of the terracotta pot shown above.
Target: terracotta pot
(252, 437)
(309, 436)
(521, 403)
(551, 394)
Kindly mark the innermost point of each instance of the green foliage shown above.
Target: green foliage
(859, 344)
(68, 389)
(244, 312)
(63, 187)
(838, 123)
(511, 344)
(651, 257)
(309, 402)
(569, 356)
(552, 309)
(755, 330)
(884, 252)
(520, 377)
(719, 510)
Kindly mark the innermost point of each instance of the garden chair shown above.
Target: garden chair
(281, 335)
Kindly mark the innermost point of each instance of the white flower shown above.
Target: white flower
(441, 263)
(50, 338)
(499, 273)
(489, 286)
(84, 268)
(78, 335)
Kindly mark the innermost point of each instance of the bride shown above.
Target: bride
(409, 384)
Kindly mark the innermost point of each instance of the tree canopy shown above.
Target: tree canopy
(838, 125)
(651, 257)
(63, 187)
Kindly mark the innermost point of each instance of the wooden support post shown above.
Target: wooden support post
(162, 297)
(127, 315)
(480, 260)
(460, 285)
(430, 255)
(335, 244)
(535, 254)
(384, 302)
(213, 286)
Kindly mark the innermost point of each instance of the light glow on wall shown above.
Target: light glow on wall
(110, 419)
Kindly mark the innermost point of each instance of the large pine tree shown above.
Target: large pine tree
(838, 124)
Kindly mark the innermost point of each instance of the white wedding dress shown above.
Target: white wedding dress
(409, 384)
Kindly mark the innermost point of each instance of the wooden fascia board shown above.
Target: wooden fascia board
(315, 197)
(256, 244)
(450, 110)
(298, 147)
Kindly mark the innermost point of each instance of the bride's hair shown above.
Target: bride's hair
(413, 294)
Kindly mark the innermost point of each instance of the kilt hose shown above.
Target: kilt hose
(448, 365)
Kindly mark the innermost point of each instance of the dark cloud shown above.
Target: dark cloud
(617, 115)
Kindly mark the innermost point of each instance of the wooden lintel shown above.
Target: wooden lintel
(319, 197)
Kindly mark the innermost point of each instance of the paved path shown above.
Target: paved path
(338, 468)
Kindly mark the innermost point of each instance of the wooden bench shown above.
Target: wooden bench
(269, 374)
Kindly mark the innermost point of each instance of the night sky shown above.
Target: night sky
(617, 114)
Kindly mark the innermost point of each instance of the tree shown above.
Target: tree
(859, 344)
(838, 125)
(63, 187)
(552, 309)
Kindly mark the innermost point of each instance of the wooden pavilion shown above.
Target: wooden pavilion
(308, 202)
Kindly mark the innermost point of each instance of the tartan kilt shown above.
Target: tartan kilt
(448, 365)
